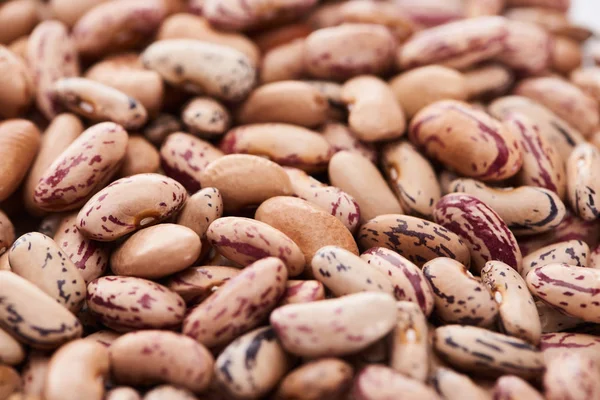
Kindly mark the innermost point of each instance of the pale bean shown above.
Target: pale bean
(582, 187)
(123, 393)
(429, 13)
(554, 21)
(560, 5)
(572, 252)
(488, 81)
(4, 263)
(17, 18)
(453, 385)
(34, 373)
(378, 382)
(554, 344)
(510, 387)
(200, 210)
(341, 138)
(17, 84)
(195, 284)
(169, 392)
(11, 351)
(572, 376)
(410, 342)
(477, 8)
(204, 116)
(594, 258)
(69, 13)
(7, 233)
(302, 292)
(553, 320)
(527, 48)
(283, 62)
(141, 157)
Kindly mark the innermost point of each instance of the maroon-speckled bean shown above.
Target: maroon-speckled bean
(104, 337)
(594, 258)
(553, 320)
(488, 80)
(302, 292)
(572, 252)
(410, 342)
(527, 48)
(572, 376)
(341, 138)
(239, 305)
(378, 382)
(195, 284)
(556, 343)
(204, 116)
(510, 387)
(583, 188)
(200, 210)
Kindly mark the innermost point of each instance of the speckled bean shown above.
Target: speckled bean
(228, 76)
(251, 377)
(593, 261)
(510, 387)
(572, 376)
(245, 180)
(334, 327)
(484, 352)
(206, 117)
(341, 138)
(151, 357)
(467, 140)
(488, 80)
(285, 144)
(410, 342)
(133, 203)
(11, 351)
(378, 382)
(82, 168)
(200, 210)
(460, 298)
(583, 188)
(157, 130)
(414, 238)
(572, 252)
(32, 316)
(105, 337)
(527, 48)
(518, 315)
(34, 373)
(17, 84)
(126, 303)
(41, 261)
(554, 344)
(87, 365)
(553, 320)
(305, 291)
(239, 305)
(453, 385)
(486, 235)
(195, 284)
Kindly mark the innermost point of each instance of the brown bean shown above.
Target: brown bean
(283, 62)
(566, 55)
(10, 381)
(17, 83)
(17, 18)
(342, 138)
(141, 157)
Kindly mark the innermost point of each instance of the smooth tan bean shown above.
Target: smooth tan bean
(467, 140)
(302, 292)
(195, 284)
(486, 235)
(246, 180)
(229, 75)
(17, 18)
(459, 297)
(330, 198)
(42, 322)
(588, 80)
(334, 327)
(141, 157)
(328, 378)
(126, 303)
(566, 55)
(19, 143)
(87, 364)
(204, 116)
(123, 393)
(11, 351)
(410, 342)
(169, 392)
(483, 352)
(109, 27)
(527, 48)
(341, 138)
(284, 62)
(17, 84)
(348, 50)
(280, 35)
(133, 203)
(389, 15)
(414, 238)
(510, 387)
(518, 315)
(285, 144)
(256, 290)
(572, 376)
(10, 381)
(488, 80)
(52, 55)
(34, 373)
(378, 382)
(151, 357)
(307, 225)
(244, 241)
(582, 186)
(200, 210)
(19, 47)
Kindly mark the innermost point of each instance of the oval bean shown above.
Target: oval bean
(195, 284)
(341, 138)
(410, 342)
(141, 157)
(527, 48)
(582, 188)
(554, 344)
(200, 210)
(284, 62)
(205, 116)
(572, 252)
(566, 55)
(488, 81)
(160, 127)
(11, 351)
(34, 373)
(169, 392)
(17, 19)
(572, 376)
(297, 291)
(510, 387)
(378, 382)
(10, 381)
(17, 83)
(123, 393)
(455, 386)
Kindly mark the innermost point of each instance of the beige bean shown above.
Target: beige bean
(283, 62)
(518, 315)
(527, 48)
(17, 18)
(111, 27)
(17, 84)
(553, 320)
(41, 261)
(87, 364)
(244, 241)
(141, 157)
(11, 351)
(42, 322)
(572, 376)
(61, 132)
(307, 225)
(358, 177)
(341, 138)
(414, 238)
(477, 8)
(256, 290)
(526, 210)
(156, 252)
(169, 392)
(453, 385)
(488, 81)
(486, 235)
(7, 233)
(566, 55)
(133, 203)
(334, 327)
(304, 291)
(467, 140)
(19, 143)
(484, 352)
(410, 342)
(560, 5)
(52, 55)
(126, 303)
(10, 381)
(411, 177)
(593, 261)
(187, 26)
(246, 378)
(378, 382)
(195, 284)
(245, 180)
(285, 144)
(68, 13)
(19, 47)
(123, 393)
(105, 337)
(582, 187)
(34, 373)
(228, 76)
(4, 263)
(150, 357)
(564, 99)
(200, 210)
(554, 21)
(510, 387)
(408, 281)
(184, 157)
(206, 117)
(572, 252)
(460, 298)
(348, 50)
(417, 88)
(554, 344)
(279, 35)
(588, 80)
(157, 130)
(327, 378)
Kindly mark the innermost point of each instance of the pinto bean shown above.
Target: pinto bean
(200, 210)
(195, 284)
(487, 81)
(297, 291)
(284, 62)
(378, 382)
(205, 116)
(572, 376)
(141, 157)
(342, 138)
(410, 342)
(512, 387)
(572, 252)
(527, 48)
(582, 188)
(17, 83)
(34, 373)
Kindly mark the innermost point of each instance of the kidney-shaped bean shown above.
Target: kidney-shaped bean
(378, 382)
(195, 284)
(583, 188)
(410, 342)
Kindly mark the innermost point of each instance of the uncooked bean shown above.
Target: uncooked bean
(134, 202)
(256, 290)
(553, 320)
(250, 377)
(334, 327)
(279, 35)
(527, 48)
(566, 55)
(10, 381)
(510, 387)
(285, 144)
(141, 157)
(484, 352)
(593, 261)
(195, 284)
(554, 21)
(378, 382)
(488, 81)
(228, 76)
(408, 281)
(7, 233)
(169, 392)
(572, 376)
(486, 235)
(17, 18)
(341, 138)
(123, 393)
(83, 168)
(11, 351)
(453, 385)
(414, 238)
(162, 126)
(205, 116)
(126, 303)
(105, 337)
(582, 187)
(151, 357)
(245, 180)
(40, 321)
(200, 210)
(302, 292)
(526, 210)
(34, 373)
(17, 84)
(87, 365)
(460, 298)
(554, 344)
(560, 5)
(410, 342)
(572, 252)
(69, 13)
(284, 62)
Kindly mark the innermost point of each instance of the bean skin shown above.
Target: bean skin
(572, 376)
(378, 382)
(169, 392)
(583, 189)
(200, 210)
(195, 284)
(205, 116)
(341, 138)
(34, 373)
(556, 343)
(572, 252)
(510, 387)
(527, 48)
(297, 291)
(553, 320)
(11, 351)
(410, 342)
(7, 233)
(453, 385)
(17, 82)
